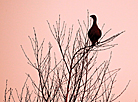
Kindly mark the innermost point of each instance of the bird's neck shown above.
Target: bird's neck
(94, 21)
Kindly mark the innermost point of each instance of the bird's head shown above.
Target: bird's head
(93, 16)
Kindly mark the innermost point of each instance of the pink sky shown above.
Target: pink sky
(19, 17)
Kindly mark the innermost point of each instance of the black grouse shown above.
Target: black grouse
(94, 32)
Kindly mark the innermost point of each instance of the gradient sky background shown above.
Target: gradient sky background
(18, 17)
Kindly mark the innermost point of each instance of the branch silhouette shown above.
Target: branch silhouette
(76, 76)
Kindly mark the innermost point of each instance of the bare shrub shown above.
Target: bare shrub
(74, 78)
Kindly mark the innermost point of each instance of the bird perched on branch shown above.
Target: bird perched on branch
(94, 32)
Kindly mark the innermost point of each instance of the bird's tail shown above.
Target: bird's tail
(93, 43)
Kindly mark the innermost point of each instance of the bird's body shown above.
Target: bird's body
(94, 32)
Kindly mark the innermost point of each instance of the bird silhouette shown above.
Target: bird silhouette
(94, 32)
